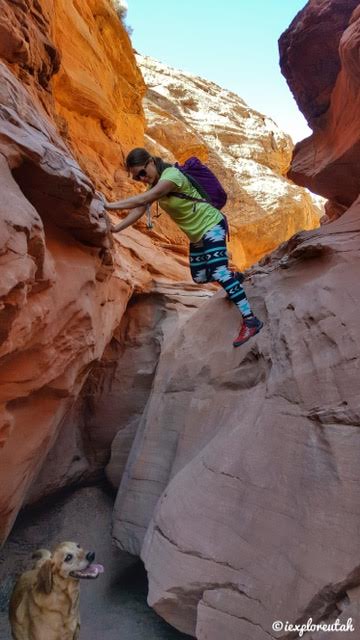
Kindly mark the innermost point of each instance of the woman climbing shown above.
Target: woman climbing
(204, 225)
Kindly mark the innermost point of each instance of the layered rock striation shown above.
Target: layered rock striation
(55, 267)
(98, 89)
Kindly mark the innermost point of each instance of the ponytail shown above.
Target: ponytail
(161, 165)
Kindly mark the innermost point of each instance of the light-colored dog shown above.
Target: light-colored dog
(44, 604)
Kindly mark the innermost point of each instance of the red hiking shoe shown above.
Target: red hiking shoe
(249, 328)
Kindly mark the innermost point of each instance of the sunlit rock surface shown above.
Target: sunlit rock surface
(98, 89)
(187, 115)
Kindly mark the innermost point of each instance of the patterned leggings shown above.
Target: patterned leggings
(209, 261)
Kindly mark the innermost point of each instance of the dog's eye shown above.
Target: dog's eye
(69, 557)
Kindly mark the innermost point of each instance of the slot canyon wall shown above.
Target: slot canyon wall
(56, 266)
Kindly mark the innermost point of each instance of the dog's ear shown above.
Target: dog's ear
(41, 555)
(45, 578)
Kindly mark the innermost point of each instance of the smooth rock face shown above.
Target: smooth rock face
(100, 428)
(187, 115)
(328, 93)
(242, 485)
(130, 363)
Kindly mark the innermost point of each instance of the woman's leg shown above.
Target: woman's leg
(214, 242)
(216, 260)
(209, 261)
(198, 265)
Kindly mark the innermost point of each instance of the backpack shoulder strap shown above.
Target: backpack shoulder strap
(185, 196)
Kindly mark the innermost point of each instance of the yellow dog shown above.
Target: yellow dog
(44, 604)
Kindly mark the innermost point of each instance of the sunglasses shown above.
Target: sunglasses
(142, 173)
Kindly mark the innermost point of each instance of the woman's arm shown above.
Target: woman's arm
(129, 220)
(162, 188)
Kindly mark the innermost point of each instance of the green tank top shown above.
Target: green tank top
(194, 218)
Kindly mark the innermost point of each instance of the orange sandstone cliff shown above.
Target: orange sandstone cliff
(98, 90)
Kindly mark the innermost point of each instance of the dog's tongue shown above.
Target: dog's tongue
(92, 571)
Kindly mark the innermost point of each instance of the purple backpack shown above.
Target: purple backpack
(204, 181)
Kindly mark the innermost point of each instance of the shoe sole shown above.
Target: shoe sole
(238, 344)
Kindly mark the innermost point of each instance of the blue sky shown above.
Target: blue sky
(232, 43)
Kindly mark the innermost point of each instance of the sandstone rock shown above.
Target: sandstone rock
(187, 115)
(241, 488)
(328, 96)
(120, 449)
(148, 326)
(309, 56)
(104, 418)
(98, 89)
(25, 40)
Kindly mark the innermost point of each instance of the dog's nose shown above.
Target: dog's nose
(90, 556)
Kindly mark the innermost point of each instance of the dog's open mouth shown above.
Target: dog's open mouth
(92, 571)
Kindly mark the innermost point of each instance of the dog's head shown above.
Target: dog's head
(67, 562)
